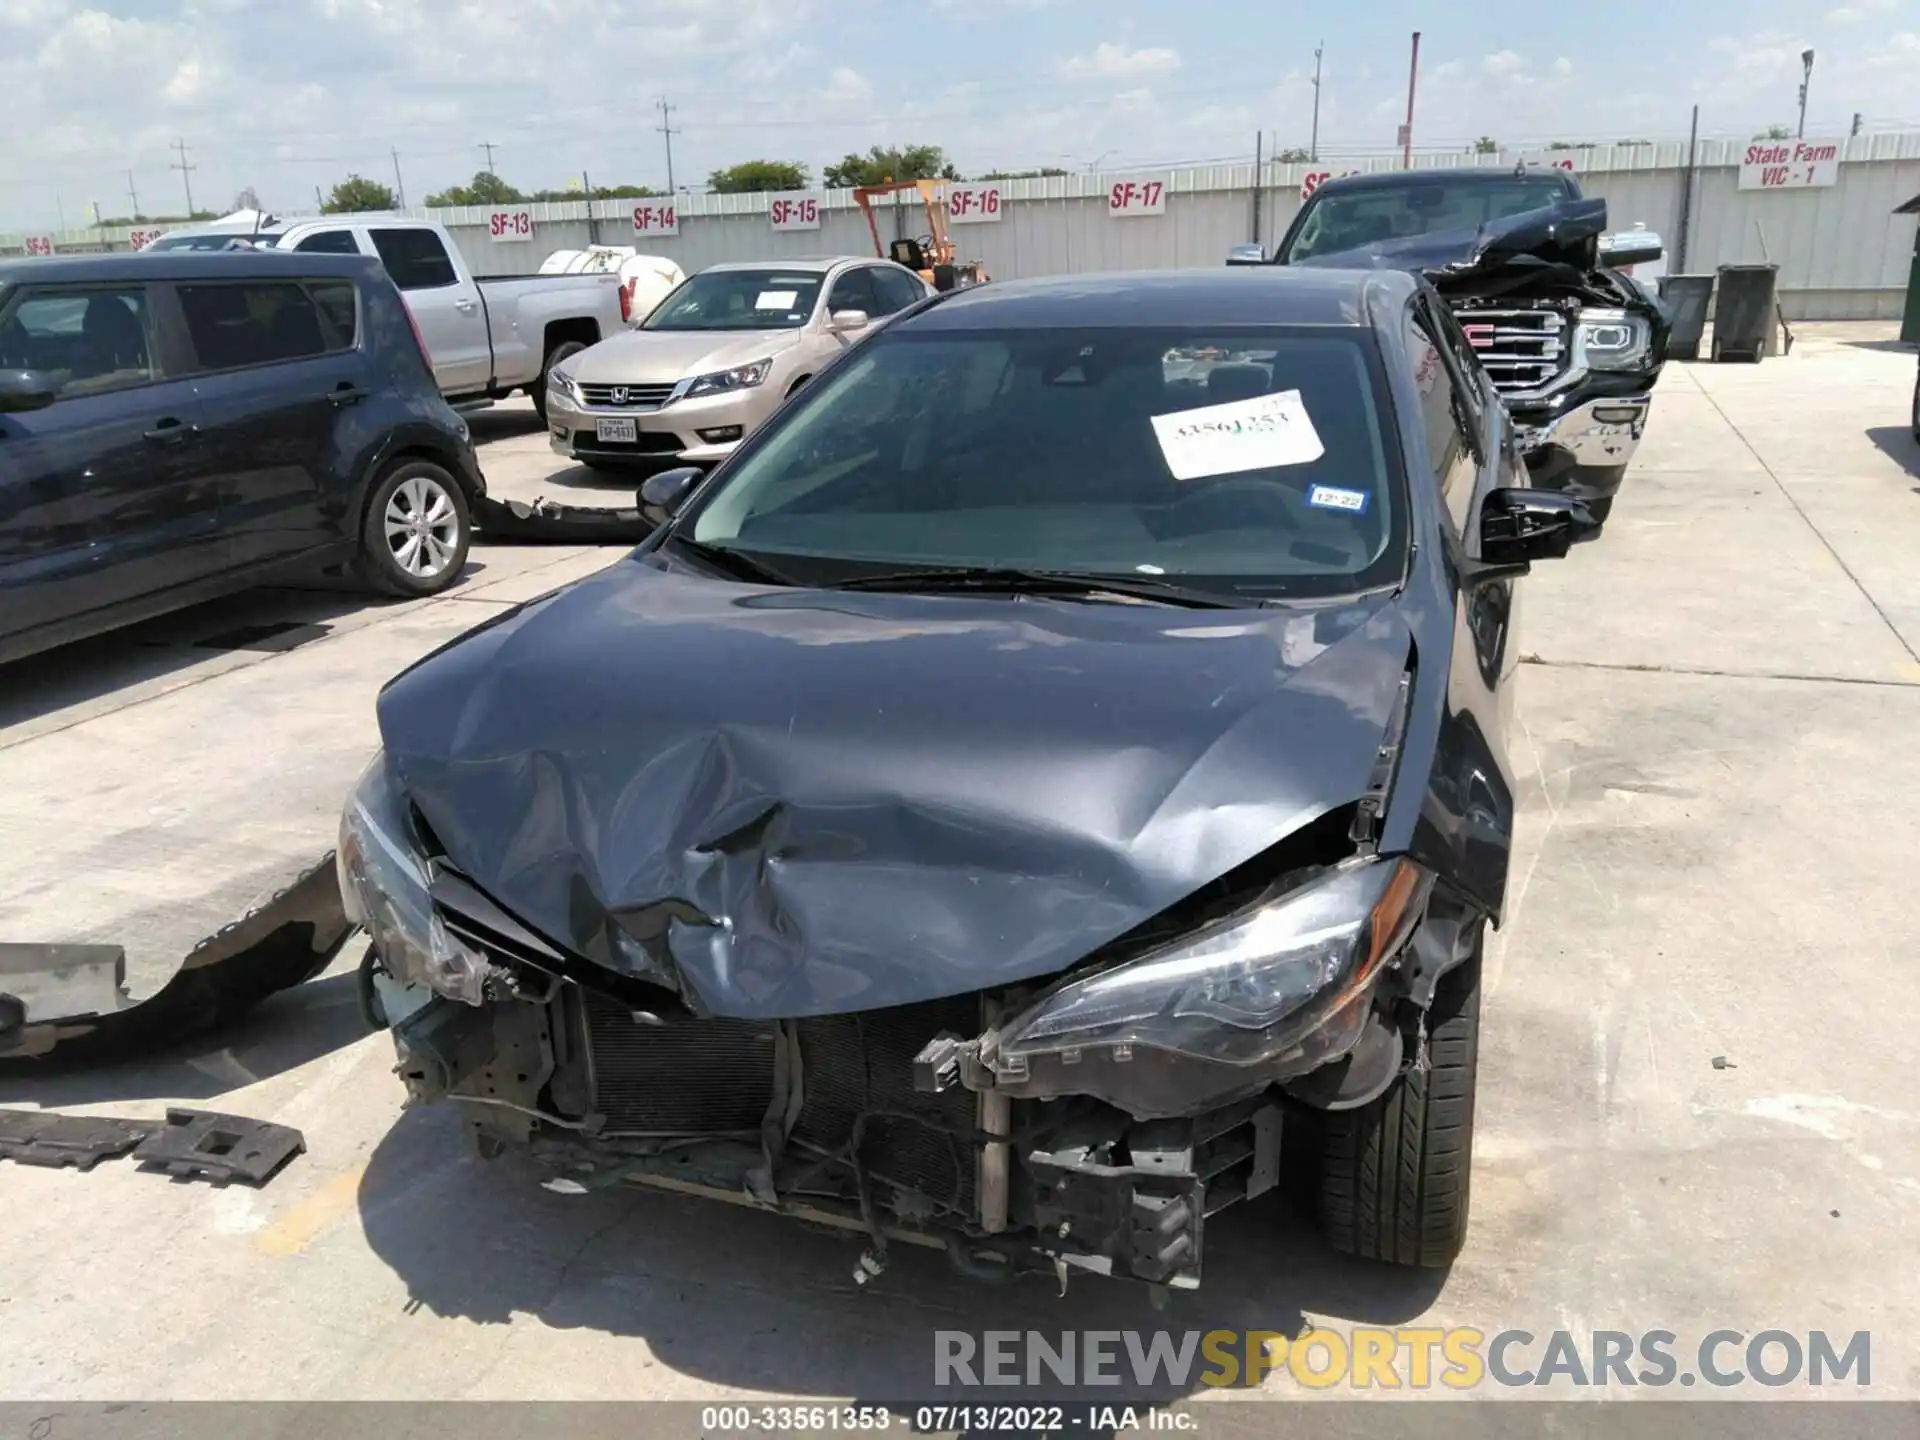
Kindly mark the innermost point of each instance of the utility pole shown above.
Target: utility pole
(1806, 79)
(60, 204)
(399, 185)
(133, 195)
(1406, 130)
(186, 171)
(1313, 145)
(1686, 193)
(665, 127)
(1856, 124)
(318, 203)
(488, 146)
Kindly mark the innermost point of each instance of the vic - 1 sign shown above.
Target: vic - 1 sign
(972, 204)
(795, 211)
(510, 225)
(656, 217)
(1790, 164)
(1137, 197)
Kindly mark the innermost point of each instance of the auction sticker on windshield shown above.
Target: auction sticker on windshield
(1241, 435)
(776, 299)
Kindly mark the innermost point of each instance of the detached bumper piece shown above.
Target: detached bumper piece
(188, 1144)
(551, 523)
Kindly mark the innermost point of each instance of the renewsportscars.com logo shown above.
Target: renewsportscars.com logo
(1407, 1357)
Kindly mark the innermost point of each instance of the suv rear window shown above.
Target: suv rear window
(1351, 221)
(415, 259)
(265, 322)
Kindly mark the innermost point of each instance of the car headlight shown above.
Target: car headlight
(385, 887)
(563, 384)
(741, 377)
(1612, 339)
(1245, 990)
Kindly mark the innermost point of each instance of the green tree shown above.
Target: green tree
(1563, 145)
(1486, 145)
(1042, 173)
(356, 192)
(486, 188)
(880, 164)
(600, 192)
(754, 175)
(1775, 132)
(1294, 155)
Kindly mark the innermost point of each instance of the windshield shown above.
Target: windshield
(739, 300)
(1338, 222)
(1254, 461)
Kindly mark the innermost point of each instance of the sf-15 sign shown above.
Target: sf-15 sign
(794, 210)
(1790, 165)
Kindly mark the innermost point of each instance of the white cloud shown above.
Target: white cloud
(185, 86)
(1563, 67)
(1858, 10)
(1448, 70)
(1504, 62)
(845, 83)
(1110, 61)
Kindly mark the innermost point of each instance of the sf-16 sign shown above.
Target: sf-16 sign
(1790, 165)
(974, 204)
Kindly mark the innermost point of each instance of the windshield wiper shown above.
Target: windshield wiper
(1044, 582)
(736, 563)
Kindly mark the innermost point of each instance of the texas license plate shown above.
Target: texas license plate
(621, 432)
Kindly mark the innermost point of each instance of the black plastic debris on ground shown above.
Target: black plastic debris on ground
(188, 1144)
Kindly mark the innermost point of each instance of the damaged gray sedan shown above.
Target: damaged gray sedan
(1051, 779)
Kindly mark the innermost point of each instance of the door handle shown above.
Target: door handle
(466, 305)
(170, 431)
(347, 393)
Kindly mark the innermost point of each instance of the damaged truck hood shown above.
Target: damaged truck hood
(794, 802)
(1565, 235)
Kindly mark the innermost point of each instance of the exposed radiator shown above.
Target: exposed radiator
(708, 1077)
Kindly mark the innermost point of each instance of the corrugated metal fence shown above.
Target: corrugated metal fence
(1843, 253)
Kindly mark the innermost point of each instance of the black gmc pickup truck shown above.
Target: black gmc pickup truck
(1571, 343)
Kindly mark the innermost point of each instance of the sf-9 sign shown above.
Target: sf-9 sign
(797, 211)
(1137, 197)
(506, 225)
(39, 245)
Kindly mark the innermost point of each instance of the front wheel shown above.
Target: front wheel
(1394, 1173)
(417, 531)
(1916, 409)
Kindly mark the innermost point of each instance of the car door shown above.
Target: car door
(104, 495)
(897, 289)
(280, 378)
(446, 305)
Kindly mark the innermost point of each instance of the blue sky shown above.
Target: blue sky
(283, 95)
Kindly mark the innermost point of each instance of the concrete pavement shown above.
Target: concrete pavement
(1719, 781)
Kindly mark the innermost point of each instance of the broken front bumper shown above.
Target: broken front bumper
(1584, 450)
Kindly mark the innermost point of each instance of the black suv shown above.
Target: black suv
(176, 426)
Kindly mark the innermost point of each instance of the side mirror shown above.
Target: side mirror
(1519, 526)
(1247, 255)
(842, 321)
(1631, 247)
(662, 495)
(22, 390)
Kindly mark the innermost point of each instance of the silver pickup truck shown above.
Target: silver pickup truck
(487, 338)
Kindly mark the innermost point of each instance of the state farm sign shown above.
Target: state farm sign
(1790, 164)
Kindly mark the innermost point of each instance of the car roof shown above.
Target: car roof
(1226, 296)
(1402, 179)
(178, 265)
(822, 263)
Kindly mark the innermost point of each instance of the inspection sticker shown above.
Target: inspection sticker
(1332, 497)
(1240, 435)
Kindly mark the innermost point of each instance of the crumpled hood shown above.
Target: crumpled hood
(1566, 234)
(658, 357)
(806, 802)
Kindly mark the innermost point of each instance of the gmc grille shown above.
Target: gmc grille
(626, 397)
(1521, 349)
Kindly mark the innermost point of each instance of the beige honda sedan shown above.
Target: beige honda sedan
(716, 358)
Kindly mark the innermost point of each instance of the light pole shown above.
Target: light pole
(1806, 78)
(1313, 145)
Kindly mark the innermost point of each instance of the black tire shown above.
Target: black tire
(1394, 1173)
(382, 562)
(1916, 409)
(565, 350)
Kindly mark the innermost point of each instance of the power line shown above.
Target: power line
(186, 171)
(665, 127)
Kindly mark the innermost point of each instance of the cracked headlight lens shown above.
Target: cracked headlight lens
(1246, 989)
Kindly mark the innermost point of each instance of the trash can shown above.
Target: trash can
(1687, 297)
(1743, 315)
